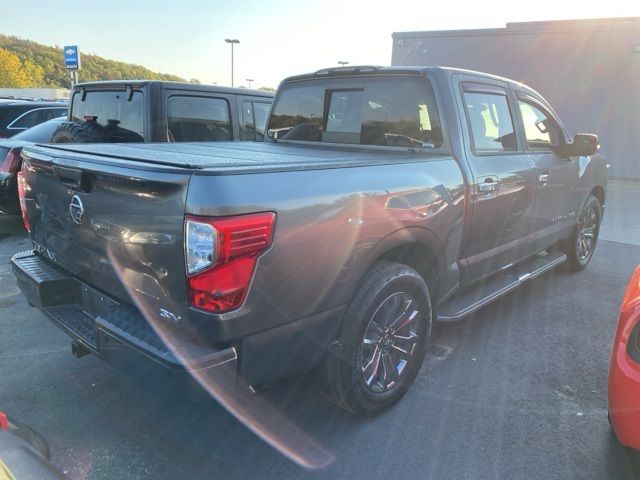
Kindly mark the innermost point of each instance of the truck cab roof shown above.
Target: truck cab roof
(110, 84)
(391, 70)
(365, 70)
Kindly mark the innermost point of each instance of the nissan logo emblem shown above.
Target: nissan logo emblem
(76, 209)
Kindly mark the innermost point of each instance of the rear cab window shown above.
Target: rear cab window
(385, 111)
(121, 118)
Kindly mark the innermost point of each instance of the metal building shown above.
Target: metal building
(589, 70)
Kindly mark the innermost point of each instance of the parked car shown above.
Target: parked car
(155, 111)
(24, 454)
(10, 161)
(384, 197)
(16, 116)
(624, 372)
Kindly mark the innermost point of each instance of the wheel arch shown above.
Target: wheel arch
(417, 248)
(598, 192)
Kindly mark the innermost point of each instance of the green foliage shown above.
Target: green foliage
(43, 66)
(17, 73)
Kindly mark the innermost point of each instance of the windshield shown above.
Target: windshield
(41, 133)
(393, 112)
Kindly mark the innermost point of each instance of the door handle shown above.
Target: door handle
(488, 184)
(543, 178)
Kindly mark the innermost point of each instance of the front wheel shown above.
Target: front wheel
(579, 247)
(383, 340)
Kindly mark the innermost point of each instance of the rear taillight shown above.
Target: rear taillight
(23, 188)
(11, 163)
(221, 255)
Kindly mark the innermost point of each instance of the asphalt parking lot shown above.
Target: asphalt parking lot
(518, 391)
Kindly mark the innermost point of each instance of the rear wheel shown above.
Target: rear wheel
(79, 132)
(579, 247)
(383, 340)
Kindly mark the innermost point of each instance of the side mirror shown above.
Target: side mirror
(583, 145)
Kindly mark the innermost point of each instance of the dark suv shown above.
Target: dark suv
(18, 115)
(155, 111)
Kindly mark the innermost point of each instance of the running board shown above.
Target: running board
(477, 296)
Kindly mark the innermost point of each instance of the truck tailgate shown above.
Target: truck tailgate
(85, 215)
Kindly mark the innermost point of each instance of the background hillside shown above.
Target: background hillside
(24, 63)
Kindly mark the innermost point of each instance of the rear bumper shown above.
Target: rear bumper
(114, 331)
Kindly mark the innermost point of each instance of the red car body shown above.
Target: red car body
(624, 372)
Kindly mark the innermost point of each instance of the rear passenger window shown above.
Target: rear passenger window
(198, 119)
(260, 116)
(29, 119)
(254, 120)
(491, 123)
(247, 132)
(56, 112)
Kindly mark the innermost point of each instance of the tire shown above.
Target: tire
(588, 223)
(79, 132)
(390, 295)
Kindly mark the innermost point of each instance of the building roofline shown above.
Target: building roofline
(547, 26)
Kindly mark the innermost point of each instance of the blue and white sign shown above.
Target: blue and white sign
(72, 57)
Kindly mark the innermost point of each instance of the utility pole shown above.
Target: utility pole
(249, 80)
(232, 41)
(74, 78)
(342, 63)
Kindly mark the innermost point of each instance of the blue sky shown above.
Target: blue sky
(278, 38)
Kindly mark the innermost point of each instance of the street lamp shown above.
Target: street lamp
(232, 41)
(249, 80)
(342, 63)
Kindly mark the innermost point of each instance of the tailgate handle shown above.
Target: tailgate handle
(72, 178)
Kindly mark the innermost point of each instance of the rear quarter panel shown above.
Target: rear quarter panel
(332, 225)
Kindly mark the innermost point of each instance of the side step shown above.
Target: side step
(477, 296)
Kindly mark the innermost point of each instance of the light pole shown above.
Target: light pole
(249, 80)
(342, 63)
(232, 41)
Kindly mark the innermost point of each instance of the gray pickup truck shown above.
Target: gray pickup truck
(382, 199)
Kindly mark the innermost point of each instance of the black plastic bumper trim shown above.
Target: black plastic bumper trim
(87, 315)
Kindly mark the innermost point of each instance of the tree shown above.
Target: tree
(194, 80)
(33, 73)
(17, 74)
(40, 65)
(268, 89)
